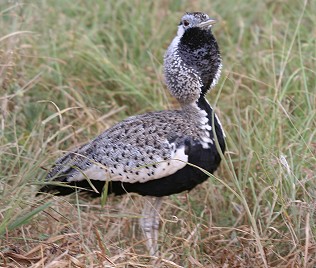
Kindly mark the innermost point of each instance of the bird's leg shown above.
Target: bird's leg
(149, 222)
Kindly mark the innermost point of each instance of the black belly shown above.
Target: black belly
(185, 179)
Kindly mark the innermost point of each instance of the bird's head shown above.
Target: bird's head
(194, 20)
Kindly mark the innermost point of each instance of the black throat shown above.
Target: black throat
(198, 49)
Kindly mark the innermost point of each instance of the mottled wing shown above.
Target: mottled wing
(139, 149)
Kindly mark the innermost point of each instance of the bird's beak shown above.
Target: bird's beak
(207, 24)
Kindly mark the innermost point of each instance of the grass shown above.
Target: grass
(70, 69)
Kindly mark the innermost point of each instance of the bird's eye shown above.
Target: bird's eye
(186, 23)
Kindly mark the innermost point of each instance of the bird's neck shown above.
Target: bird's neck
(198, 107)
(199, 50)
(192, 65)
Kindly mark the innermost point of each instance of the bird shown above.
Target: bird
(158, 153)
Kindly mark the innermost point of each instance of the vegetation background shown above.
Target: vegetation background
(70, 69)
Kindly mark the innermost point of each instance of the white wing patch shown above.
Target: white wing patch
(157, 169)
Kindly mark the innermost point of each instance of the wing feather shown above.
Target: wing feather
(138, 149)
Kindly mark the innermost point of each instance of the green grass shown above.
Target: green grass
(70, 69)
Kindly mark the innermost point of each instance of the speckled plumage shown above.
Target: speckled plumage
(134, 149)
(192, 61)
(148, 153)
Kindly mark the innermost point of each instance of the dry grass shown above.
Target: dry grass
(71, 69)
(109, 237)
